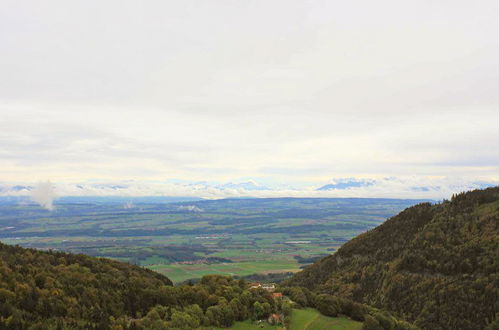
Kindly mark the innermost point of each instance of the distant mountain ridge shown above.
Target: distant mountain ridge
(347, 183)
(433, 264)
(390, 187)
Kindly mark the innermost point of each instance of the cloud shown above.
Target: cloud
(129, 205)
(249, 185)
(292, 94)
(190, 208)
(387, 187)
(44, 195)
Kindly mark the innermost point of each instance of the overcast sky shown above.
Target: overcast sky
(282, 92)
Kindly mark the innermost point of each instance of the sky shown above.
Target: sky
(185, 97)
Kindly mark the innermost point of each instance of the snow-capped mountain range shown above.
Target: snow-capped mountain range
(387, 187)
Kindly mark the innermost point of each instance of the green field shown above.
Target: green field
(249, 325)
(305, 319)
(179, 273)
(311, 319)
(231, 236)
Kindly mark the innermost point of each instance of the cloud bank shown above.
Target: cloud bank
(385, 187)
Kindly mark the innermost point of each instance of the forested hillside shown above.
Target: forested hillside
(54, 290)
(434, 264)
(58, 288)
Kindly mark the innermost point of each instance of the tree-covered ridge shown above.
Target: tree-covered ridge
(436, 265)
(62, 288)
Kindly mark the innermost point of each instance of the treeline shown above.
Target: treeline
(256, 277)
(309, 260)
(269, 277)
(436, 265)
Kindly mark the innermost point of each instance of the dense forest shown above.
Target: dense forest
(55, 290)
(436, 265)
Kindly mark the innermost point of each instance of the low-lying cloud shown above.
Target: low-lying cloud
(44, 195)
(190, 208)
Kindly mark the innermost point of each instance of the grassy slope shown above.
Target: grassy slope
(311, 319)
(249, 325)
(306, 319)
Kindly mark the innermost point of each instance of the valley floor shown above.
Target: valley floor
(230, 237)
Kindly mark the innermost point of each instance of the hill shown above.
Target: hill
(39, 287)
(433, 264)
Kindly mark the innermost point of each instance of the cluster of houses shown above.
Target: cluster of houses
(266, 286)
(273, 318)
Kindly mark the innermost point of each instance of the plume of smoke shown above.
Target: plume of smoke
(44, 195)
(129, 205)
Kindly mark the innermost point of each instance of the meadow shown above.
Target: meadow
(311, 319)
(305, 319)
(186, 240)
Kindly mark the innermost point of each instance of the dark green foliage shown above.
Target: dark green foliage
(300, 296)
(494, 325)
(435, 265)
(309, 260)
(328, 305)
(287, 311)
(54, 290)
(370, 323)
(213, 301)
(53, 286)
